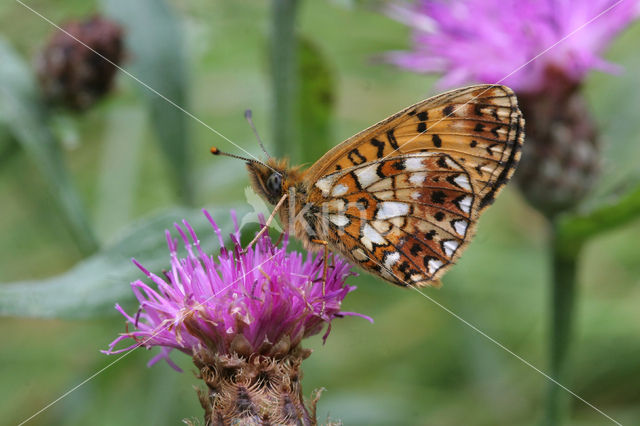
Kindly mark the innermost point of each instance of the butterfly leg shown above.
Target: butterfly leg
(265, 228)
(324, 271)
(280, 238)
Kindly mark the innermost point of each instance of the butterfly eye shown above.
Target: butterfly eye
(274, 183)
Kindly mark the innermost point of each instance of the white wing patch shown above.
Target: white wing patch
(367, 175)
(326, 183)
(417, 178)
(463, 182)
(389, 209)
(433, 265)
(391, 259)
(339, 219)
(370, 236)
(413, 164)
(465, 204)
(339, 190)
(460, 226)
(450, 247)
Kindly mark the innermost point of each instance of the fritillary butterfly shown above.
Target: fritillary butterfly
(402, 198)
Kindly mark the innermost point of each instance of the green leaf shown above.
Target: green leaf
(93, 286)
(573, 231)
(316, 100)
(156, 57)
(24, 113)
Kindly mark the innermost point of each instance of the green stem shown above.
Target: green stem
(569, 234)
(563, 296)
(284, 75)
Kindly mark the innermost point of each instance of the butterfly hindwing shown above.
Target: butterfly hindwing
(406, 218)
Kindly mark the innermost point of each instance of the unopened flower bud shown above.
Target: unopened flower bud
(72, 68)
(561, 156)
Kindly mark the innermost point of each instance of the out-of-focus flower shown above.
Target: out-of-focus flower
(492, 40)
(73, 75)
(543, 50)
(242, 317)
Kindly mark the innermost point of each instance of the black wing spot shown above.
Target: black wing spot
(356, 158)
(473, 144)
(438, 197)
(362, 204)
(439, 216)
(399, 165)
(437, 142)
(495, 131)
(443, 163)
(355, 179)
(380, 145)
(489, 150)
(479, 128)
(392, 139)
(422, 127)
(415, 249)
(423, 116)
(429, 235)
(446, 111)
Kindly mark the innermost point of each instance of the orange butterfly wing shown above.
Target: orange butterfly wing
(402, 198)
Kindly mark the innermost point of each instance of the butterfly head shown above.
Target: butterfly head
(271, 179)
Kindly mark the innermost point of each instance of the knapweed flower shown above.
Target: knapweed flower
(242, 317)
(69, 70)
(541, 49)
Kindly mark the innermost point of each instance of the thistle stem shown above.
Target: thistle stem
(563, 296)
(284, 75)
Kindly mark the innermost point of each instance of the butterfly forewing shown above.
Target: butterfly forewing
(480, 127)
(402, 197)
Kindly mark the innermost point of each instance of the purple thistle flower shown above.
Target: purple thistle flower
(262, 302)
(489, 41)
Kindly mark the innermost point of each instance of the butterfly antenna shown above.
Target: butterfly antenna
(248, 116)
(216, 151)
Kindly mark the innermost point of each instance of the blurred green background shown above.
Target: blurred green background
(417, 364)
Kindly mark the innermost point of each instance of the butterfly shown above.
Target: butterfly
(402, 198)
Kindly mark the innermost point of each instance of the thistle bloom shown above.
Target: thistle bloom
(242, 312)
(543, 50)
(492, 40)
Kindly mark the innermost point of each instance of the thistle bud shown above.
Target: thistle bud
(70, 71)
(561, 157)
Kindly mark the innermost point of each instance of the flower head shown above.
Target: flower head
(495, 41)
(263, 301)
